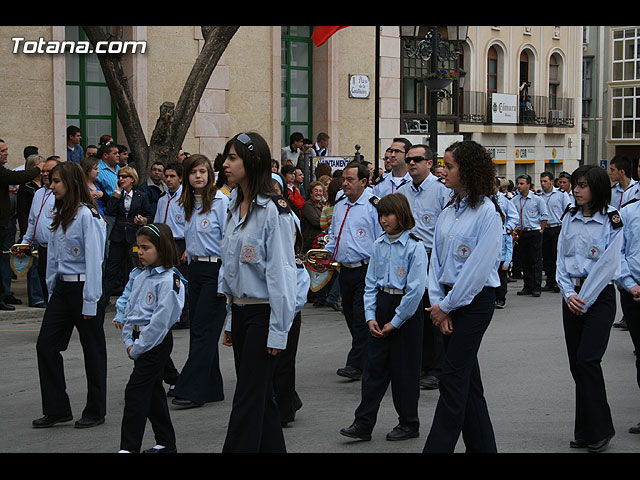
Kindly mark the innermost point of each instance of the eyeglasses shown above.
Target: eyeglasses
(395, 150)
(415, 159)
(245, 140)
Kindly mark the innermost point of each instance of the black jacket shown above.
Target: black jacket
(124, 227)
(11, 177)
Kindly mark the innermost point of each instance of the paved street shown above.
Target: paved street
(523, 362)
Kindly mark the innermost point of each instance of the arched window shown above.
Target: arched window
(554, 81)
(492, 71)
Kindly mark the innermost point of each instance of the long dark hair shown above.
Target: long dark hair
(477, 170)
(187, 199)
(256, 157)
(599, 184)
(75, 181)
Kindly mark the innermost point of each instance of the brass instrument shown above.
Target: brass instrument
(24, 249)
(319, 259)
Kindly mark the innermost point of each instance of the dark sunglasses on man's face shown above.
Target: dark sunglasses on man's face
(415, 159)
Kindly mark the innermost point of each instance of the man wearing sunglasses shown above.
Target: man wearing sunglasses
(399, 169)
(427, 197)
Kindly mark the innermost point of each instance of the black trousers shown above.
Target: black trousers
(352, 281)
(632, 315)
(183, 268)
(501, 291)
(461, 406)
(200, 379)
(117, 264)
(63, 313)
(144, 398)
(550, 254)
(586, 337)
(284, 376)
(394, 359)
(42, 271)
(432, 343)
(254, 424)
(530, 248)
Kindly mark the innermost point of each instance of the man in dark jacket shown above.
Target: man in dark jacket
(9, 177)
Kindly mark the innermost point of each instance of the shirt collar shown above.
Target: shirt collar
(423, 185)
(596, 217)
(402, 239)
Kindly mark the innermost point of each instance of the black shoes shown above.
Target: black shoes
(635, 429)
(402, 432)
(534, 293)
(6, 307)
(11, 300)
(551, 288)
(599, 446)
(356, 431)
(50, 420)
(38, 305)
(350, 372)
(500, 303)
(89, 422)
(160, 449)
(184, 403)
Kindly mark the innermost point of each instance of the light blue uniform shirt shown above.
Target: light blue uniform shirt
(512, 218)
(466, 253)
(360, 230)
(390, 184)
(618, 194)
(401, 264)
(259, 262)
(170, 211)
(556, 202)
(630, 257)
(154, 304)
(588, 247)
(40, 217)
(532, 210)
(79, 250)
(631, 193)
(203, 231)
(427, 200)
(108, 178)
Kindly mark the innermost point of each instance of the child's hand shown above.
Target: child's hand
(226, 339)
(374, 329)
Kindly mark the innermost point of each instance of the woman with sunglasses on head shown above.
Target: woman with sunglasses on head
(131, 210)
(588, 262)
(205, 210)
(74, 283)
(462, 278)
(260, 284)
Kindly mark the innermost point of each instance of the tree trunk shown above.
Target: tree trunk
(173, 121)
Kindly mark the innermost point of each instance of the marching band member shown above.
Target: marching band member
(205, 210)
(353, 230)
(260, 283)
(395, 285)
(74, 281)
(589, 249)
(463, 276)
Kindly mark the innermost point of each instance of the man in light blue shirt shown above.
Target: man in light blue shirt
(533, 216)
(399, 174)
(557, 202)
(353, 230)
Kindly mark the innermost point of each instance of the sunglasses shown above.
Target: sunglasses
(415, 159)
(245, 140)
(124, 176)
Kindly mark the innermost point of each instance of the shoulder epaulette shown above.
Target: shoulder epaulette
(616, 221)
(566, 210)
(441, 180)
(93, 210)
(281, 203)
(341, 198)
(629, 202)
(374, 200)
(176, 283)
(415, 237)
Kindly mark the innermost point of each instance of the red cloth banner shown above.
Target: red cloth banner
(321, 34)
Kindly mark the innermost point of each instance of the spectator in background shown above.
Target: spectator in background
(123, 151)
(310, 215)
(321, 148)
(90, 168)
(291, 192)
(275, 165)
(106, 139)
(154, 186)
(322, 169)
(91, 151)
(222, 182)
(75, 152)
(291, 153)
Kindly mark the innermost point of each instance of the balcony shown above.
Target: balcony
(475, 107)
